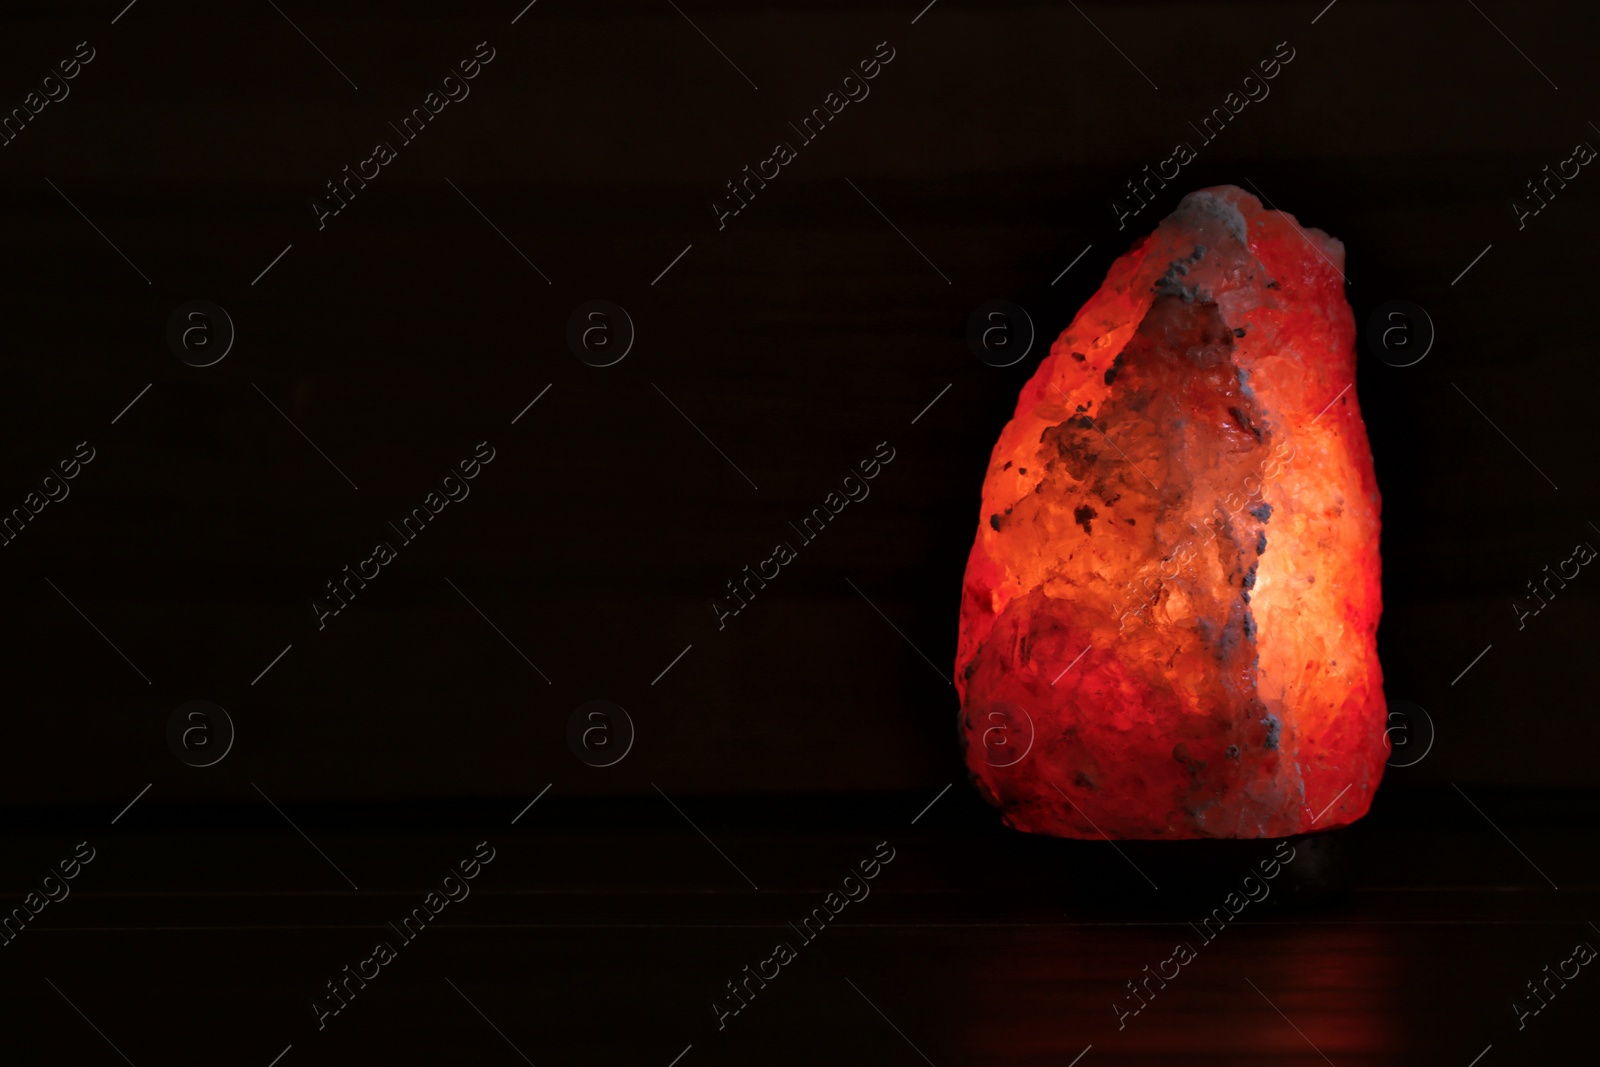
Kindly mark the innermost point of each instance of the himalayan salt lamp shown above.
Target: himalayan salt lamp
(1169, 616)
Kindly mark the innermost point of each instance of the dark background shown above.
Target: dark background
(797, 338)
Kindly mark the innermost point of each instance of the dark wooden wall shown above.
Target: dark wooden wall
(797, 338)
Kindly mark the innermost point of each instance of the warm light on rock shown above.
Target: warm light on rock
(1169, 617)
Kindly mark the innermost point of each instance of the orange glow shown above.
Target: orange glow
(1172, 603)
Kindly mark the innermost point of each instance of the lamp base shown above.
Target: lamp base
(1197, 876)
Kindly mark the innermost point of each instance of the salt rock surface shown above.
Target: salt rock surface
(1169, 616)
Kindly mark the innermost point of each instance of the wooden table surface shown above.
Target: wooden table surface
(602, 932)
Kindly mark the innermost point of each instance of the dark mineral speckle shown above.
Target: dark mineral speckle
(1111, 372)
(1262, 511)
(1243, 419)
(1082, 514)
(994, 522)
